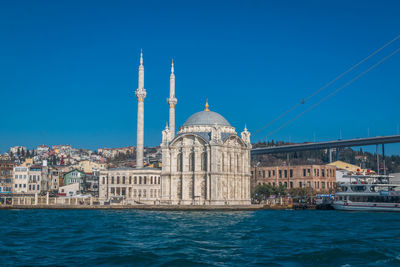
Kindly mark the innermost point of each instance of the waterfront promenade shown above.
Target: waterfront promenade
(137, 207)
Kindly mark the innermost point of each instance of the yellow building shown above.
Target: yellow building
(90, 166)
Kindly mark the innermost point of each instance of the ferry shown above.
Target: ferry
(368, 193)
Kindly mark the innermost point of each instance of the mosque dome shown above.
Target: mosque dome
(207, 118)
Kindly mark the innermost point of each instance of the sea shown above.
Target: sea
(198, 238)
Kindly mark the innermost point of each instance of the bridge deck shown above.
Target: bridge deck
(326, 145)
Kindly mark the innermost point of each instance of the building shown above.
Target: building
(18, 149)
(90, 166)
(6, 177)
(69, 190)
(29, 179)
(207, 163)
(75, 176)
(321, 178)
(20, 180)
(130, 185)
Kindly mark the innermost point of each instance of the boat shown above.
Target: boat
(367, 193)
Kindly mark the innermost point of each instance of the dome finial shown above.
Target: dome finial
(207, 106)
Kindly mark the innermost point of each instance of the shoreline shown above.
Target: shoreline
(137, 207)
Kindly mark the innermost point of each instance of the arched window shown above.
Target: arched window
(179, 163)
(191, 162)
(204, 161)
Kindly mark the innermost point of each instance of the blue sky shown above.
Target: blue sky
(68, 69)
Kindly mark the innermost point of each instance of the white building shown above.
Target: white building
(27, 179)
(132, 186)
(15, 149)
(206, 163)
(20, 179)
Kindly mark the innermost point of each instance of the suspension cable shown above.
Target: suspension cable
(335, 92)
(326, 85)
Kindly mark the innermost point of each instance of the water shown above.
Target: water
(143, 238)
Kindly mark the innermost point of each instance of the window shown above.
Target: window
(30, 188)
(280, 173)
(112, 180)
(123, 179)
(104, 180)
(191, 162)
(263, 174)
(140, 179)
(300, 184)
(24, 185)
(135, 180)
(159, 180)
(285, 173)
(179, 163)
(151, 182)
(16, 186)
(223, 162)
(145, 179)
(20, 185)
(123, 191)
(238, 164)
(273, 173)
(204, 161)
(285, 184)
(130, 179)
(144, 192)
(134, 193)
(291, 173)
(323, 173)
(269, 174)
(291, 184)
(37, 187)
(308, 172)
(112, 190)
(118, 180)
(323, 185)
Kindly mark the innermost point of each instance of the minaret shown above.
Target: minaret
(172, 102)
(140, 94)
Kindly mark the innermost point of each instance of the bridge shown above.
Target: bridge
(378, 140)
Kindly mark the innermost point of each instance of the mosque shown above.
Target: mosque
(204, 163)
